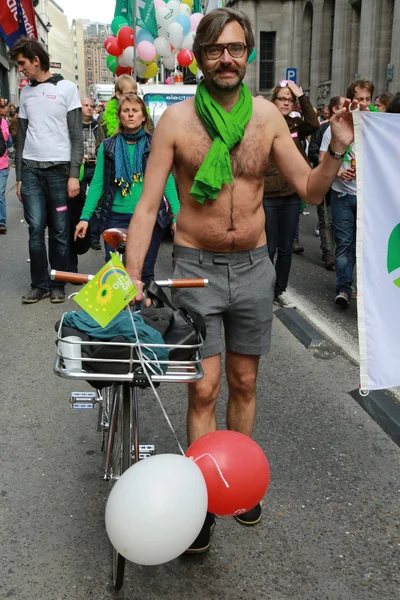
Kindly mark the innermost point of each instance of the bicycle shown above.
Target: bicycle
(119, 401)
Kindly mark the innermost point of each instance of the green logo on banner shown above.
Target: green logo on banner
(107, 293)
(393, 255)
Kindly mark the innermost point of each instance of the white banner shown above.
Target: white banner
(377, 139)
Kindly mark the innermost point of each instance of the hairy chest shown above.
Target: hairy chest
(249, 159)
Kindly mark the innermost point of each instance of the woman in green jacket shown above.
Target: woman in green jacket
(119, 176)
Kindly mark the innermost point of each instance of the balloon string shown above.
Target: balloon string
(216, 464)
(145, 370)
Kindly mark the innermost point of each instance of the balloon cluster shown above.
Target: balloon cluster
(176, 31)
(158, 506)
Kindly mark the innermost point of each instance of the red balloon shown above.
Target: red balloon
(123, 71)
(112, 46)
(235, 469)
(125, 37)
(185, 58)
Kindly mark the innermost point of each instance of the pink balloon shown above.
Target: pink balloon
(158, 3)
(195, 19)
(168, 81)
(146, 51)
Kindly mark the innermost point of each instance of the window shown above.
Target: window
(267, 59)
(328, 19)
(307, 45)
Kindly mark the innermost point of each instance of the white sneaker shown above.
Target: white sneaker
(283, 301)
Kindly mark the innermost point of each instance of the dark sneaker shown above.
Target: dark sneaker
(95, 246)
(251, 517)
(3, 228)
(57, 296)
(329, 262)
(342, 299)
(202, 543)
(35, 295)
(297, 247)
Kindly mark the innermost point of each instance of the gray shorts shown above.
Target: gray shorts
(239, 296)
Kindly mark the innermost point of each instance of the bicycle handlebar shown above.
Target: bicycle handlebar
(84, 278)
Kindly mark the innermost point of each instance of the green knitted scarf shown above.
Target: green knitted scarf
(110, 117)
(226, 129)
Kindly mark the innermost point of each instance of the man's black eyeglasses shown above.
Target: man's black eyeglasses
(215, 51)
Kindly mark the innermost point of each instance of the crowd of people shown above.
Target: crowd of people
(242, 168)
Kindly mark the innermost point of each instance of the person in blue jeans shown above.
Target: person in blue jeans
(49, 154)
(119, 177)
(344, 202)
(3, 171)
(280, 201)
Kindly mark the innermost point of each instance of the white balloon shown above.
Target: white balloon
(169, 62)
(162, 33)
(175, 34)
(163, 46)
(164, 16)
(187, 43)
(140, 67)
(176, 8)
(156, 509)
(185, 10)
(126, 58)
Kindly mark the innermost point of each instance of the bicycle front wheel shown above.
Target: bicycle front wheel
(126, 440)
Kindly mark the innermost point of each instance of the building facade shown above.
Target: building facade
(329, 42)
(60, 42)
(90, 55)
(79, 55)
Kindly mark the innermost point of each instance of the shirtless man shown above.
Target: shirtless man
(224, 238)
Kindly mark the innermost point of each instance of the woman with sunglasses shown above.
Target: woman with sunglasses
(119, 176)
(281, 203)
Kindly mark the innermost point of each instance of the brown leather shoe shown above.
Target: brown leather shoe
(329, 263)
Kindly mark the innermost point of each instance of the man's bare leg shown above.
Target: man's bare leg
(241, 373)
(202, 400)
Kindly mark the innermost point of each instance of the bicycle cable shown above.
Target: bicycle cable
(145, 369)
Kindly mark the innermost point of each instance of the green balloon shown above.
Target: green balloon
(112, 63)
(117, 23)
(252, 56)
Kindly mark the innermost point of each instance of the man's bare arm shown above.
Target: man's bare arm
(158, 168)
(311, 184)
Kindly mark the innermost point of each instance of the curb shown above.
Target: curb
(302, 329)
(381, 405)
(383, 409)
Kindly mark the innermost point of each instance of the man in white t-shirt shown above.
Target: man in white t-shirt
(49, 154)
(344, 202)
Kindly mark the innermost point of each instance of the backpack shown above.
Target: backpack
(3, 143)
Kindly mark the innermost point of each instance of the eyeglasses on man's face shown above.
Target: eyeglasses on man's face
(215, 51)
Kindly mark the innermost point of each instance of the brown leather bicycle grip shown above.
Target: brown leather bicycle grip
(188, 283)
(71, 277)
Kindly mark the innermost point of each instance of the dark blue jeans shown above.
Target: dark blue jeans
(122, 220)
(344, 215)
(45, 202)
(281, 216)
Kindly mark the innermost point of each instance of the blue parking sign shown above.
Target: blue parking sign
(291, 74)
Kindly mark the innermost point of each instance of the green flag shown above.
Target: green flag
(197, 7)
(107, 293)
(146, 16)
(124, 8)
